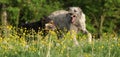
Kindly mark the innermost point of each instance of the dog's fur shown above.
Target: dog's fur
(41, 25)
(71, 20)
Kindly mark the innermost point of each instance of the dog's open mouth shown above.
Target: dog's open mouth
(73, 18)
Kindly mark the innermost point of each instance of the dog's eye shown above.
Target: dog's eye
(75, 11)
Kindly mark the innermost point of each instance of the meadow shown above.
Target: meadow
(34, 45)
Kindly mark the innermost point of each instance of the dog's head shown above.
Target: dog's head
(75, 10)
(50, 25)
(75, 14)
(47, 23)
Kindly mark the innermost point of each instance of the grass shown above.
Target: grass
(16, 46)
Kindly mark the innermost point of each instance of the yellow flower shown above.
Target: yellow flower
(52, 32)
(112, 45)
(102, 47)
(62, 51)
(87, 55)
(32, 49)
(16, 52)
(9, 27)
(118, 44)
(4, 47)
(10, 47)
(107, 41)
(64, 47)
(24, 34)
(68, 55)
(1, 39)
(99, 47)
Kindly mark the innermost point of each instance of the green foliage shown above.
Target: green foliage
(28, 10)
(33, 10)
(4, 1)
(17, 46)
(94, 9)
(13, 14)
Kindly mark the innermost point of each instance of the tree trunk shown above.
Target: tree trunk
(101, 26)
(4, 20)
(17, 19)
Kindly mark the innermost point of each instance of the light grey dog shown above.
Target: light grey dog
(72, 19)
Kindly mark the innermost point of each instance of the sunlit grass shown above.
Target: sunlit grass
(35, 45)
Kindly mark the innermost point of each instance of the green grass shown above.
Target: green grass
(50, 46)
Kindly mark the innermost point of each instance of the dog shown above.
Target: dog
(72, 19)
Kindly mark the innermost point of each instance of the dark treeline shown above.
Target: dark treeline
(103, 16)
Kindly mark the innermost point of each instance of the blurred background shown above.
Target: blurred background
(102, 16)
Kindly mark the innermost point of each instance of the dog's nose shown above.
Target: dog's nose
(73, 16)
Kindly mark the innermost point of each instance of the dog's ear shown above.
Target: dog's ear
(46, 19)
(80, 10)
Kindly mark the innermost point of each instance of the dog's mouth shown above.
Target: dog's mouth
(73, 17)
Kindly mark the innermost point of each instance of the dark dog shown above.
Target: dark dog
(44, 24)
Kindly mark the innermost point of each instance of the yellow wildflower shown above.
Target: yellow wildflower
(118, 44)
(112, 45)
(9, 27)
(102, 47)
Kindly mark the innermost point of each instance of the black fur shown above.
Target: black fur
(39, 25)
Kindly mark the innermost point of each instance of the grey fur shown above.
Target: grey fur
(62, 19)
